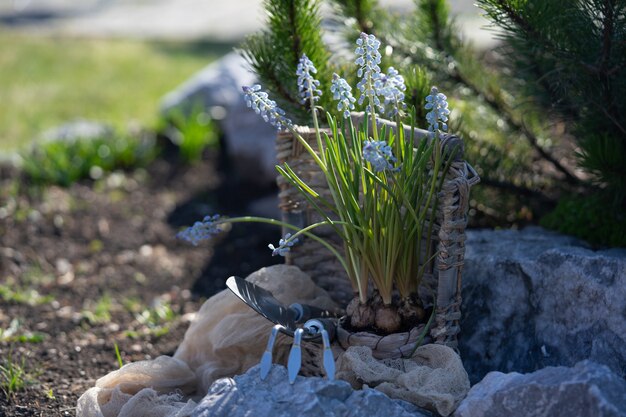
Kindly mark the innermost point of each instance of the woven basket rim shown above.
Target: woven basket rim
(393, 345)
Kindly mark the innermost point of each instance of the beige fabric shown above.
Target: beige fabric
(434, 378)
(228, 337)
(123, 393)
(225, 339)
(163, 374)
(145, 403)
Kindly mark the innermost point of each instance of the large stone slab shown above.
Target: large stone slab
(249, 140)
(586, 390)
(535, 298)
(247, 395)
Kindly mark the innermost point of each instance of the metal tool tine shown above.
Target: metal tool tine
(329, 359)
(295, 356)
(266, 360)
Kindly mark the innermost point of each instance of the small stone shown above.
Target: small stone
(249, 140)
(140, 278)
(247, 394)
(58, 221)
(103, 227)
(585, 390)
(63, 266)
(145, 250)
(66, 278)
(65, 312)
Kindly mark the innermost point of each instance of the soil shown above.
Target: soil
(94, 266)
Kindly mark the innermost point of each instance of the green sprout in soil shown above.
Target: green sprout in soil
(118, 356)
(50, 395)
(64, 162)
(101, 312)
(13, 376)
(19, 295)
(155, 319)
(192, 132)
(12, 334)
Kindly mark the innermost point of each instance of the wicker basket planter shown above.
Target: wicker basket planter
(442, 280)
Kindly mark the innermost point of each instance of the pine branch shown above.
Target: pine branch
(361, 10)
(293, 29)
(514, 189)
(607, 42)
(575, 52)
(607, 35)
(456, 74)
(521, 127)
(435, 17)
(504, 14)
(295, 36)
(255, 52)
(434, 13)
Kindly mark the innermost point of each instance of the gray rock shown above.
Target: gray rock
(78, 129)
(246, 395)
(534, 298)
(586, 390)
(249, 140)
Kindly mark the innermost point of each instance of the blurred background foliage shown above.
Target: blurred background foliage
(64, 162)
(543, 115)
(47, 81)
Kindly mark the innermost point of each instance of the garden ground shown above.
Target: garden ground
(97, 265)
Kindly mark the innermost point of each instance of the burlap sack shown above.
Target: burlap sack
(225, 339)
(434, 378)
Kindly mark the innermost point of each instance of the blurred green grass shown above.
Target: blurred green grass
(46, 81)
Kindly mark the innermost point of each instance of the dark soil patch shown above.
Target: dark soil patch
(97, 264)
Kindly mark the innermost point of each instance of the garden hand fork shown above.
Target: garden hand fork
(316, 324)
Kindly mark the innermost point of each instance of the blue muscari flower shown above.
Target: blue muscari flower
(284, 245)
(343, 93)
(438, 114)
(379, 154)
(392, 89)
(368, 59)
(205, 229)
(261, 104)
(308, 87)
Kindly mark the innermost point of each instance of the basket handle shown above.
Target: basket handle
(358, 117)
(473, 178)
(451, 144)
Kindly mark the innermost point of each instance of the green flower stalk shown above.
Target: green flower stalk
(368, 59)
(383, 189)
(309, 92)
